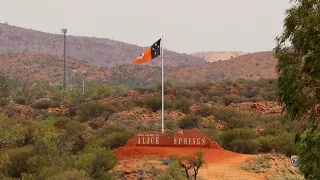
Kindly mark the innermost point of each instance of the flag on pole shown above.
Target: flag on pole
(152, 52)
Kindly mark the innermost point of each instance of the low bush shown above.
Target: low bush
(4, 101)
(88, 110)
(42, 104)
(18, 161)
(240, 140)
(219, 91)
(154, 103)
(189, 122)
(183, 105)
(21, 100)
(233, 99)
(225, 113)
(204, 111)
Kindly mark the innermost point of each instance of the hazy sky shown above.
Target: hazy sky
(187, 25)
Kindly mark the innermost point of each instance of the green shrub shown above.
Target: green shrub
(204, 111)
(189, 122)
(249, 146)
(183, 105)
(219, 91)
(12, 134)
(21, 100)
(172, 172)
(111, 136)
(232, 99)
(239, 121)
(72, 174)
(225, 113)
(96, 162)
(88, 110)
(249, 92)
(284, 143)
(18, 161)
(202, 87)
(4, 101)
(239, 140)
(266, 143)
(154, 103)
(42, 104)
(270, 96)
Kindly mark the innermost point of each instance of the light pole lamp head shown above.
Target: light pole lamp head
(83, 72)
(74, 71)
(64, 31)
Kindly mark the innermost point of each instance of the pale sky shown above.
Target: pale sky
(187, 25)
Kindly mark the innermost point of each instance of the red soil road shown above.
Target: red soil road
(221, 164)
(211, 155)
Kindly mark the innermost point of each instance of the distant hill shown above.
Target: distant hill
(218, 56)
(251, 66)
(46, 67)
(95, 51)
(49, 68)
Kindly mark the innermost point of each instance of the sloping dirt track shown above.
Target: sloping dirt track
(221, 164)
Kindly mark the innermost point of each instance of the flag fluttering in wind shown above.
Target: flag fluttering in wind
(149, 54)
(152, 52)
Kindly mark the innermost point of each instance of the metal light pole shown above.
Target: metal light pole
(83, 72)
(74, 80)
(65, 71)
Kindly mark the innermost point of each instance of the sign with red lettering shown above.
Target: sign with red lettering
(188, 138)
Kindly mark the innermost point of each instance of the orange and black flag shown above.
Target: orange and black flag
(149, 54)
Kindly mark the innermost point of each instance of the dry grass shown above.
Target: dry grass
(273, 166)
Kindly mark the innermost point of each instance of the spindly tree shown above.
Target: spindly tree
(298, 52)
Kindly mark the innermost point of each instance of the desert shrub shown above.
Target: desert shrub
(189, 122)
(232, 99)
(18, 161)
(182, 93)
(219, 91)
(72, 174)
(196, 95)
(21, 100)
(96, 161)
(239, 140)
(256, 164)
(281, 143)
(42, 104)
(270, 131)
(154, 103)
(204, 111)
(254, 99)
(88, 110)
(183, 105)
(270, 96)
(202, 87)
(265, 143)
(170, 124)
(248, 146)
(284, 143)
(172, 172)
(12, 134)
(111, 136)
(4, 101)
(225, 113)
(241, 121)
(249, 91)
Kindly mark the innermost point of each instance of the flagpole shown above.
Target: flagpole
(162, 85)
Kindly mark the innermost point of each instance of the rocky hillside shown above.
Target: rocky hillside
(49, 68)
(251, 66)
(218, 56)
(96, 51)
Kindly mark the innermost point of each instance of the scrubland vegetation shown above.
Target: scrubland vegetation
(49, 134)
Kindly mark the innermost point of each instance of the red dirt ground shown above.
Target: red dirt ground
(221, 164)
